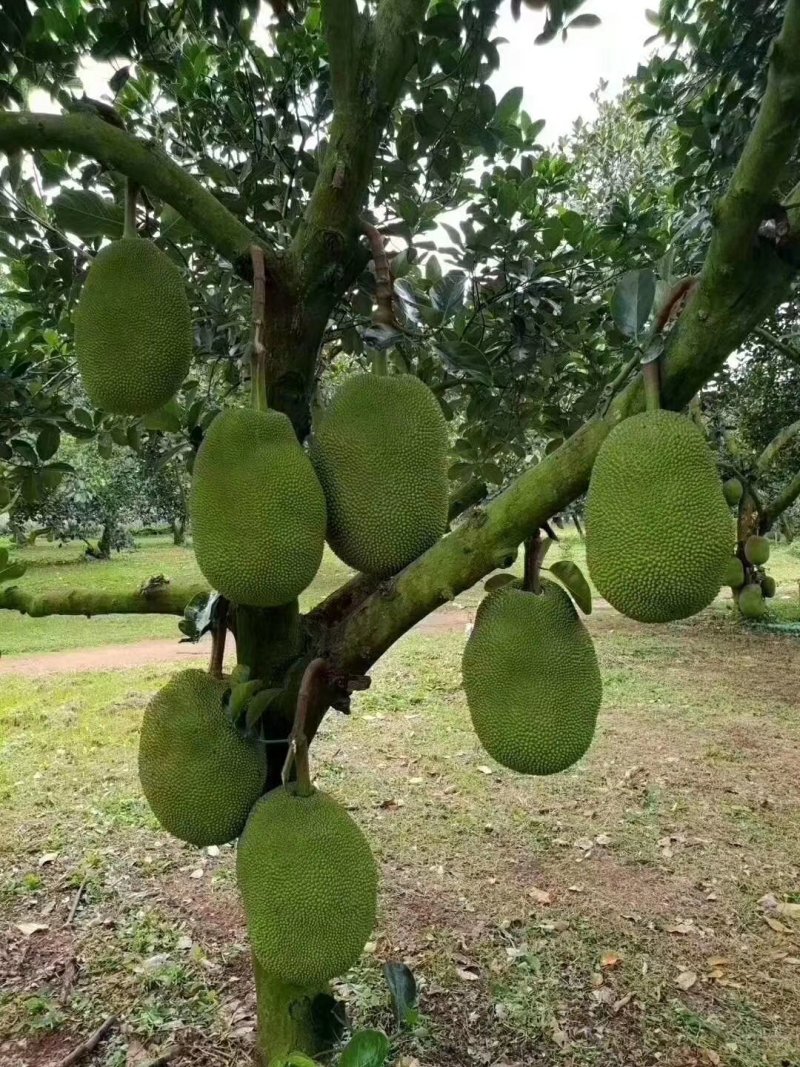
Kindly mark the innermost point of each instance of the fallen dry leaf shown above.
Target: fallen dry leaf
(686, 926)
(603, 840)
(28, 929)
(48, 857)
(485, 770)
(465, 975)
(777, 925)
(618, 1005)
(541, 896)
(788, 911)
(610, 960)
(685, 980)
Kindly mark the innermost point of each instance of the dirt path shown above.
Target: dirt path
(144, 653)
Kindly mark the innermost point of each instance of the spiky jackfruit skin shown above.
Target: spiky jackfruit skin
(751, 602)
(768, 586)
(133, 328)
(659, 532)
(732, 489)
(308, 882)
(757, 550)
(380, 450)
(734, 573)
(257, 509)
(200, 776)
(531, 680)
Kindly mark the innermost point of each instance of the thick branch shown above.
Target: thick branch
(776, 446)
(778, 344)
(784, 500)
(164, 599)
(147, 164)
(743, 280)
(343, 27)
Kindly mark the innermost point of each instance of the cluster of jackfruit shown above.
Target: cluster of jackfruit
(305, 870)
(753, 586)
(133, 328)
(659, 532)
(532, 680)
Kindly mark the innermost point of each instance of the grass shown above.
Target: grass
(53, 567)
(607, 916)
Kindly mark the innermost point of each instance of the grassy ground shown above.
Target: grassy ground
(610, 916)
(54, 567)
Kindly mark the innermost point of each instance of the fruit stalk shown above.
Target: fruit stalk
(311, 692)
(651, 376)
(258, 356)
(131, 194)
(536, 548)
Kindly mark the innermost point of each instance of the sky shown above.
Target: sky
(557, 79)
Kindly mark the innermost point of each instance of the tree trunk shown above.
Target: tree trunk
(179, 530)
(288, 1020)
(104, 544)
(272, 643)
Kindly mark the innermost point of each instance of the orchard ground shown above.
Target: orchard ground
(636, 910)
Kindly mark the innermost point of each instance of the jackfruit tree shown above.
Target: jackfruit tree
(286, 197)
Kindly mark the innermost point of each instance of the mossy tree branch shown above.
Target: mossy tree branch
(776, 507)
(778, 344)
(776, 446)
(147, 165)
(166, 599)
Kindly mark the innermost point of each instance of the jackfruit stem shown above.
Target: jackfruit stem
(219, 633)
(312, 691)
(258, 354)
(131, 195)
(536, 548)
(379, 363)
(651, 376)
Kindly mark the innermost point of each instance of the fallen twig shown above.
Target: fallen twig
(76, 901)
(89, 1044)
(163, 1057)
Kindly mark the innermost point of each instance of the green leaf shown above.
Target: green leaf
(367, 1048)
(25, 451)
(509, 105)
(294, 1059)
(584, 21)
(3, 557)
(403, 988)
(571, 577)
(88, 215)
(447, 295)
(169, 418)
(12, 572)
(632, 302)
(498, 581)
(48, 441)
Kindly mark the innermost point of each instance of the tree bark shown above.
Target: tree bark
(287, 1021)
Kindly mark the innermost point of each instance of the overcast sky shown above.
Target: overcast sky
(557, 78)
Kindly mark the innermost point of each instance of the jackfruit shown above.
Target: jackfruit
(734, 573)
(200, 776)
(733, 490)
(531, 680)
(768, 586)
(756, 549)
(380, 450)
(257, 509)
(659, 532)
(751, 602)
(133, 328)
(308, 882)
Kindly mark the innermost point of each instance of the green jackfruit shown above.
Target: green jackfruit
(751, 602)
(659, 532)
(531, 679)
(133, 328)
(258, 511)
(768, 586)
(733, 490)
(757, 550)
(734, 573)
(309, 884)
(200, 776)
(380, 450)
